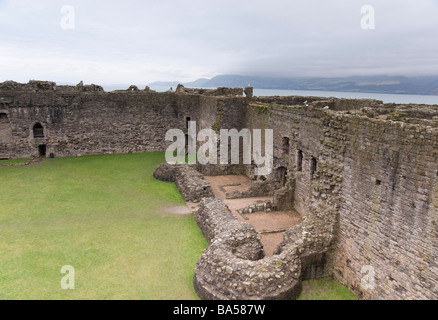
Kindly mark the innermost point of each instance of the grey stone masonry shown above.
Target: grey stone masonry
(190, 183)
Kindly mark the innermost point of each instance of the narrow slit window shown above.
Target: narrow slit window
(187, 144)
(300, 160)
(313, 166)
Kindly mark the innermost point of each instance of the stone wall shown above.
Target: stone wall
(376, 172)
(389, 217)
(225, 271)
(232, 267)
(214, 218)
(264, 206)
(257, 189)
(307, 250)
(190, 183)
(297, 128)
(79, 122)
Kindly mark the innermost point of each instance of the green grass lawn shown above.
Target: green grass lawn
(325, 289)
(13, 161)
(105, 216)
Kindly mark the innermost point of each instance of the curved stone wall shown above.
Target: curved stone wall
(233, 267)
(227, 269)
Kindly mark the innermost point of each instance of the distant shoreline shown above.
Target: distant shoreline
(385, 97)
(380, 84)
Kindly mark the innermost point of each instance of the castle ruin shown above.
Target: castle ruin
(362, 174)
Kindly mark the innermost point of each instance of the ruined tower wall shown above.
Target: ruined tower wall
(221, 113)
(383, 167)
(303, 129)
(303, 145)
(218, 113)
(388, 236)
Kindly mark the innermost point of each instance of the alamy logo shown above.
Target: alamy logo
(368, 281)
(252, 151)
(68, 18)
(368, 21)
(68, 281)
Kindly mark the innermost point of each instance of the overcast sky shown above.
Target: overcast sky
(140, 42)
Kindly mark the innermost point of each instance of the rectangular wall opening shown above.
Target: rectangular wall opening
(42, 150)
(286, 145)
(3, 117)
(313, 166)
(300, 160)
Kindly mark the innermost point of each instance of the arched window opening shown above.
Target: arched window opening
(3, 117)
(38, 131)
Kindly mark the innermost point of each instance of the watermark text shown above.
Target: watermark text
(256, 148)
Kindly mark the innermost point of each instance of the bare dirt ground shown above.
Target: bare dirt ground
(269, 225)
(223, 184)
(180, 210)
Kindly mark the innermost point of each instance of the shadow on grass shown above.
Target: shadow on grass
(325, 289)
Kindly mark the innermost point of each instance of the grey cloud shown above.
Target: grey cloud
(141, 41)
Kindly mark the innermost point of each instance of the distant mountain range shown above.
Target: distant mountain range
(426, 85)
